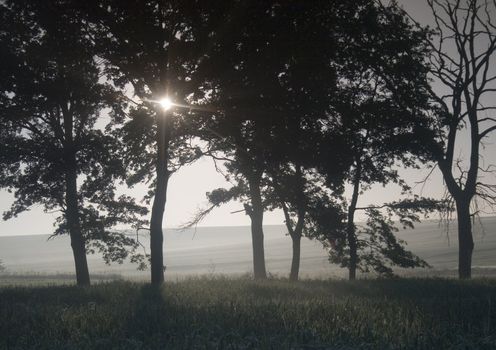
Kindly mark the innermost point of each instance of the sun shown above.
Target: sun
(166, 103)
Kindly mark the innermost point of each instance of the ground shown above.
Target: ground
(223, 313)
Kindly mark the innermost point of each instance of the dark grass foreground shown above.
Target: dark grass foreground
(243, 314)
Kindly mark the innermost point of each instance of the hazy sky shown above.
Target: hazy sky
(187, 188)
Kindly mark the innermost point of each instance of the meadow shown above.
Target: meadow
(239, 313)
(227, 250)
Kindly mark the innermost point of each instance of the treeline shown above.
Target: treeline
(294, 99)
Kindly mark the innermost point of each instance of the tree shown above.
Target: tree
(54, 154)
(269, 69)
(462, 57)
(303, 91)
(297, 150)
(292, 199)
(381, 102)
(153, 49)
(297, 192)
(377, 247)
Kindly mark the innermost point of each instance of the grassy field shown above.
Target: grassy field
(243, 314)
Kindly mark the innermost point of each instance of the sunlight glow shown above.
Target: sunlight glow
(166, 103)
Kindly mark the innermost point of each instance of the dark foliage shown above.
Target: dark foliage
(54, 152)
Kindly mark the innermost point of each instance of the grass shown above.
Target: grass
(227, 313)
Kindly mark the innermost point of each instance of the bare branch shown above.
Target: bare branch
(424, 181)
(486, 132)
(489, 169)
(199, 216)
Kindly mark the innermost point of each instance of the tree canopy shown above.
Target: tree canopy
(298, 100)
(55, 153)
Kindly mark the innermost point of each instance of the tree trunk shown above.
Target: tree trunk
(73, 222)
(71, 200)
(465, 239)
(295, 262)
(257, 236)
(353, 251)
(159, 200)
(295, 233)
(350, 227)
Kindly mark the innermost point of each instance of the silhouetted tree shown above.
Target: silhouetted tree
(295, 190)
(270, 64)
(290, 190)
(462, 63)
(379, 102)
(53, 151)
(377, 247)
(283, 111)
(297, 148)
(153, 49)
(251, 195)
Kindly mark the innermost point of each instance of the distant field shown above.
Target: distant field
(243, 314)
(214, 251)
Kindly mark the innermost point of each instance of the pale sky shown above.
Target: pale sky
(187, 188)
